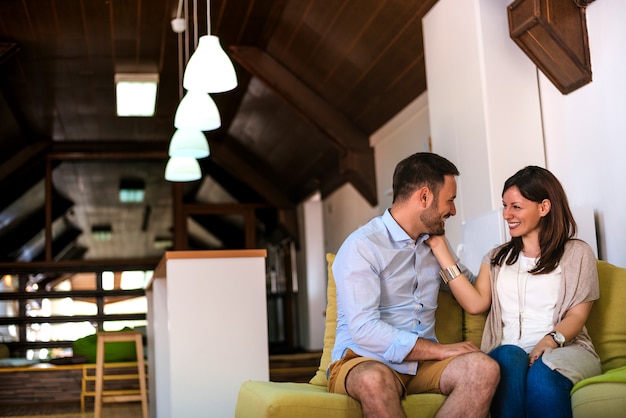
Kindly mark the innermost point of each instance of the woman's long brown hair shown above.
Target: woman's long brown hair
(555, 229)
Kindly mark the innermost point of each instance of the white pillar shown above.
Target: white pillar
(312, 283)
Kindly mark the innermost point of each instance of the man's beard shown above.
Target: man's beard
(432, 220)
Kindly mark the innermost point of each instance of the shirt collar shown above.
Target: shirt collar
(397, 233)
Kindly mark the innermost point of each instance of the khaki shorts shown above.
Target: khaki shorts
(426, 380)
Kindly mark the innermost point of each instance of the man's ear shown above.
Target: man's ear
(424, 196)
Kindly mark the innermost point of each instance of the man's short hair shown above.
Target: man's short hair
(418, 170)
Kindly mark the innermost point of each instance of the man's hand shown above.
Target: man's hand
(427, 350)
(449, 350)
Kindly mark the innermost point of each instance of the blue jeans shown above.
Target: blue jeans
(524, 391)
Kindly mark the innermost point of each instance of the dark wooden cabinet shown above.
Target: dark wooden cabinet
(553, 33)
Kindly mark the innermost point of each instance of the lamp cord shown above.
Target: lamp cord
(208, 17)
(195, 24)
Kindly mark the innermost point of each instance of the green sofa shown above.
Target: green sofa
(601, 396)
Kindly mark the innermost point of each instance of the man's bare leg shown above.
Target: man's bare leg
(378, 390)
(469, 381)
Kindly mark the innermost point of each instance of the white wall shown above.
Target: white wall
(407, 133)
(345, 210)
(586, 130)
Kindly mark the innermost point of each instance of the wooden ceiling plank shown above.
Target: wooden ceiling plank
(304, 100)
(150, 48)
(300, 43)
(284, 31)
(398, 93)
(349, 30)
(266, 125)
(400, 35)
(306, 56)
(359, 161)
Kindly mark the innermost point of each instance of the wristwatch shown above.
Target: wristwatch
(558, 338)
(450, 273)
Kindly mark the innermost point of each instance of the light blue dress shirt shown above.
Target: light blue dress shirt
(387, 289)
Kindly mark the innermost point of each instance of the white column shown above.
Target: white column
(312, 283)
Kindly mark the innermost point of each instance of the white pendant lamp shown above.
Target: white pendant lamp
(209, 69)
(182, 169)
(189, 143)
(197, 111)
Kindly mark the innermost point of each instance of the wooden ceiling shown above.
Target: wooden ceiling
(316, 79)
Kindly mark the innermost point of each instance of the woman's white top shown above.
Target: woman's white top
(528, 301)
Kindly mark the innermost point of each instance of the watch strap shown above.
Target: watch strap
(559, 342)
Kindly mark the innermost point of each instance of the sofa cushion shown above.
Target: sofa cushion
(302, 400)
(606, 319)
(473, 326)
(612, 376)
(601, 395)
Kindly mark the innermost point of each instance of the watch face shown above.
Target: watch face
(559, 338)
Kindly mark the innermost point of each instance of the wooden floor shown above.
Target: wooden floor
(300, 367)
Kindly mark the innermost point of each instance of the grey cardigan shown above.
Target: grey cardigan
(578, 359)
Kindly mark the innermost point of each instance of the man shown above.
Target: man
(387, 286)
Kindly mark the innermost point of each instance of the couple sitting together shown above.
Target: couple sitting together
(538, 288)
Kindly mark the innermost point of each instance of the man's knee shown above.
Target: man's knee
(477, 369)
(492, 369)
(483, 367)
(371, 377)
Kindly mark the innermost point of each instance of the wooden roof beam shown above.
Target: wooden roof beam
(228, 159)
(357, 161)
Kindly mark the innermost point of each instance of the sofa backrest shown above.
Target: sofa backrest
(607, 321)
(331, 325)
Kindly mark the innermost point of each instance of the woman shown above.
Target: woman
(539, 288)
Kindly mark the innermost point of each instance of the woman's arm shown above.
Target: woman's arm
(474, 299)
(570, 326)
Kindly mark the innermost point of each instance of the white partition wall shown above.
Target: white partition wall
(207, 331)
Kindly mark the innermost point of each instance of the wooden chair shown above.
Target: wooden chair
(110, 396)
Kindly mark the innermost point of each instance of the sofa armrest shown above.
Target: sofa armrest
(288, 399)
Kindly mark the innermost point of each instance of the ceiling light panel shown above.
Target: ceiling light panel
(136, 94)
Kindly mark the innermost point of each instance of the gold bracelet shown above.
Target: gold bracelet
(450, 273)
